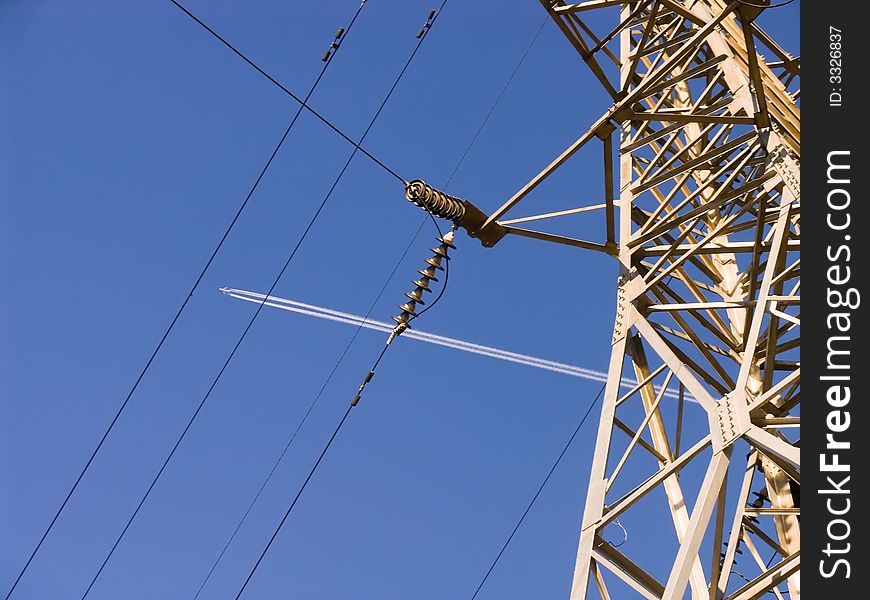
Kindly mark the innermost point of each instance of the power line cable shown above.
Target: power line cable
(497, 100)
(187, 298)
(250, 324)
(316, 399)
(471, 144)
(303, 103)
(295, 499)
(538, 493)
(306, 414)
(759, 5)
(302, 488)
(368, 313)
(403, 321)
(420, 37)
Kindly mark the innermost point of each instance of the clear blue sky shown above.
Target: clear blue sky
(129, 138)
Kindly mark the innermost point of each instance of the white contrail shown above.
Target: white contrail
(350, 319)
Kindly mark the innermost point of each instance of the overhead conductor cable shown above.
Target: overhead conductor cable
(408, 313)
(415, 297)
(360, 322)
(334, 47)
(356, 148)
(399, 327)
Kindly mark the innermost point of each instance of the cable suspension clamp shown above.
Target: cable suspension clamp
(427, 25)
(334, 45)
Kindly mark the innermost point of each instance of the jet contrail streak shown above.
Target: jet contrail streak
(351, 319)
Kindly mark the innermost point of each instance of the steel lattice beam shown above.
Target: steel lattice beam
(702, 205)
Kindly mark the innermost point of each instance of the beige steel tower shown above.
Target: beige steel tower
(704, 219)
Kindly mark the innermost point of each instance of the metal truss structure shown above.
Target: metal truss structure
(705, 224)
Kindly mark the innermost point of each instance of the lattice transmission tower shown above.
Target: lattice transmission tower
(697, 456)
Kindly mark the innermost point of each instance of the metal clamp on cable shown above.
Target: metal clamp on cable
(427, 25)
(334, 45)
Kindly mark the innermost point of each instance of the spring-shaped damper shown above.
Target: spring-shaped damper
(415, 296)
(431, 200)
